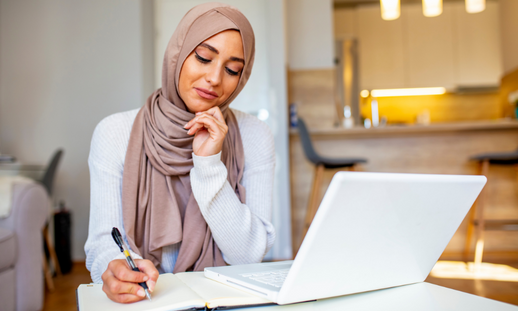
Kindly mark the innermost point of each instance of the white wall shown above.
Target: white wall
(65, 65)
(310, 34)
(266, 89)
(509, 33)
(276, 30)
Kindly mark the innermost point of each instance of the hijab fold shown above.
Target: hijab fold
(158, 205)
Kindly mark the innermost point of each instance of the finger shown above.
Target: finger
(215, 112)
(203, 117)
(216, 130)
(114, 288)
(124, 273)
(189, 124)
(195, 128)
(202, 122)
(123, 298)
(147, 267)
(128, 298)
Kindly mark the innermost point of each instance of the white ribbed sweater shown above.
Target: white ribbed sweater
(243, 232)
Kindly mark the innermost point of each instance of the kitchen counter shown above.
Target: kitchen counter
(395, 130)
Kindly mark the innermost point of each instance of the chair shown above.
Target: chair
(21, 280)
(50, 171)
(48, 182)
(321, 163)
(476, 214)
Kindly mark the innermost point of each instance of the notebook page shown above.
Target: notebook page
(218, 294)
(169, 294)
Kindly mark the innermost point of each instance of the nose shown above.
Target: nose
(213, 75)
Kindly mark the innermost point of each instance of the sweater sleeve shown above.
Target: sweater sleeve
(106, 163)
(244, 232)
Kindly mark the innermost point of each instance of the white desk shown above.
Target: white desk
(415, 297)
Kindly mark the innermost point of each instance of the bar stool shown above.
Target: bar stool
(320, 164)
(476, 215)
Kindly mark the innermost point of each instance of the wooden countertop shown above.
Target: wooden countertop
(397, 130)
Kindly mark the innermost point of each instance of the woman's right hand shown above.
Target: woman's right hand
(120, 283)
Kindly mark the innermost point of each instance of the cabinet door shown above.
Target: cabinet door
(429, 47)
(381, 49)
(478, 54)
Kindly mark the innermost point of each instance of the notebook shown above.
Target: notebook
(181, 291)
(371, 231)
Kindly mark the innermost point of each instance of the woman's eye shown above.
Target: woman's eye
(201, 59)
(231, 72)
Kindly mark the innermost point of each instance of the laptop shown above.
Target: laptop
(371, 231)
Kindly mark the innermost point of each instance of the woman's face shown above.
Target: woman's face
(210, 74)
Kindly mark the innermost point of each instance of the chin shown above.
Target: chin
(200, 105)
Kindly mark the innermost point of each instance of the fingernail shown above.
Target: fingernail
(198, 113)
(141, 293)
(151, 285)
(146, 278)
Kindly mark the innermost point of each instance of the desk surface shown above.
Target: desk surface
(415, 297)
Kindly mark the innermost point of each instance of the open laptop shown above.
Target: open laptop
(371, 231)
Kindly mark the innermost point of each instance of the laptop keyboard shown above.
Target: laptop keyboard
(274, 278)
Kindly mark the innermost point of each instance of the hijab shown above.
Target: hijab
(158, 205)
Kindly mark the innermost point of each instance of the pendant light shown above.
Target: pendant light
(475, 6)
(432, 8)
(390, 9)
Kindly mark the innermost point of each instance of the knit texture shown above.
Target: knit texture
(243, 232)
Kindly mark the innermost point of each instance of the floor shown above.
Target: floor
(64, 297)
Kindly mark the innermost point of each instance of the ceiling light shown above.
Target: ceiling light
(364, 93)
(409, 92)
(390, 9)
(475, 6)
(432, 8)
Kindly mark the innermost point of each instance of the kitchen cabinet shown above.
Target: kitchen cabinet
(478, 52)
(429, 50)
(451, 50)
(381, 57)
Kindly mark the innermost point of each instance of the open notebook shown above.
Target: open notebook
(181, 291)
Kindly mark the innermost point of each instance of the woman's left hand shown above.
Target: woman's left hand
(209, 130)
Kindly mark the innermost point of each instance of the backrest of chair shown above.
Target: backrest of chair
(307, 145)
(50, 172)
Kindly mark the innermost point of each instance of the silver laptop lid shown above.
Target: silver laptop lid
(378, 230)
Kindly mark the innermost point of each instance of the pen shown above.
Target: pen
(118, 239)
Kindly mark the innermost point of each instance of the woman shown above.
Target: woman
(187, 180)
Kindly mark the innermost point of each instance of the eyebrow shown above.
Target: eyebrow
(213, 49)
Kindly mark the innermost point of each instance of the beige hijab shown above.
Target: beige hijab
(158, 206)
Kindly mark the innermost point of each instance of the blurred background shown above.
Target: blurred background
(405, 89)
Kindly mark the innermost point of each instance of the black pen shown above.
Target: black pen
(118, 239)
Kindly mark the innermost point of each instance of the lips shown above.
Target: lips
(204, 93)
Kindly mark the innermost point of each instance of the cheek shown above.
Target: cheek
(230, 86)
(187, 75)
